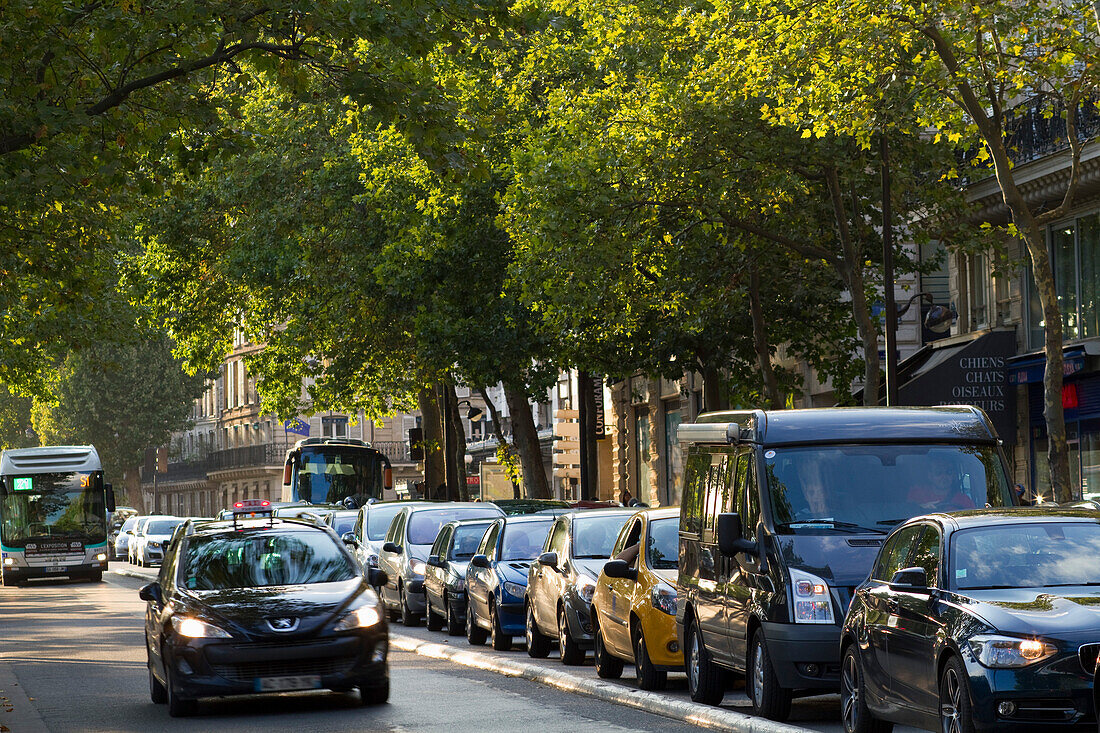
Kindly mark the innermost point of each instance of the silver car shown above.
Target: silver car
(370, 530)
(125, 534)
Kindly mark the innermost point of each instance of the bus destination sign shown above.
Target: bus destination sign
(23, 484)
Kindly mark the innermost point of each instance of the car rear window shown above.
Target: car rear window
(424, 525)
(259, 559)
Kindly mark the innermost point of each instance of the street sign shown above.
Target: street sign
(567, 414)
(567, 430)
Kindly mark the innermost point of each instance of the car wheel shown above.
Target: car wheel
(853, 704)
(608, 666)
(178, 707)
(374, 694)
(408, 618)
(706, 682)
(501, 641)
(431, 619)
(474, 633)
(158, 693)
(769, 699)
(649, 677)
(538, 643)
(454, 626)
(571, 652)
(956, 713)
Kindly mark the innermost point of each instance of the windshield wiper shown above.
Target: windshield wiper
(989, 587)
(591, 557)
(892, 522)
(1066, 585)
(849, 526)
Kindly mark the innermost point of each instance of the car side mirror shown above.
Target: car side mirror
(730, 538)
(620, 569)
(549, 559)
(480, 561)
(151, 593)
(435, 561)
(377, 577)
(392, 547)
(348, 538)
(916, 578)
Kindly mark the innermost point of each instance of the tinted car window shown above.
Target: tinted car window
(896, 552)
(424, 526)
(662, 545)
(523, 541)
(343, 524)
(259, 559)
(695, 481)
(593, 537)
(557, 538)
(1026, 556)
(927, 554)
(378, 521)
(467, 538)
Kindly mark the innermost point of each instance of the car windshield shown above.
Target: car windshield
(378, 520)
(162, 526)
(593, 537)
(467, 538)
(662, 547)
(1025, 555)
(523, 540)
(258, 559)
(870, 488)
(128, 524)
(424, 525)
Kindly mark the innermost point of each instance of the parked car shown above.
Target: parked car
(262, 605)
(634, 606)
(982, 620)
(781, 516)
(445, 574)
(342, 522)
(561, 582)
(533, 506)
(405, 552)
(121, 545)
(496, 578)
(153, 537)
(135, 539)
(370, 529)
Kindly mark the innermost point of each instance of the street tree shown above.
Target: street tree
(964, 73)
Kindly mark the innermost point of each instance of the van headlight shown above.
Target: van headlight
(1006, 651)
(360, 618)
(812, 603)
(193, 628)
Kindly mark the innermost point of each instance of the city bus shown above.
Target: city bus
(334, 471)
(53, 513)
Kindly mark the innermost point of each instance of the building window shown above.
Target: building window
(334, 427)
(978, 290)
(641, 454)
(1075, 258)
(674, 456)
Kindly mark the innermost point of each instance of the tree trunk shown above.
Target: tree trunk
(760, 341)
(456, 442)
(432, 424)
(526, 438)
(713, 390)
(508, 449)
(868, 334)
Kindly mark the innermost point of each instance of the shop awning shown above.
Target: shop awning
(1031, 367)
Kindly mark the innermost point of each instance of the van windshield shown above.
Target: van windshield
(870, 488)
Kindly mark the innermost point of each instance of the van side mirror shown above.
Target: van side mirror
(730, 538)
(620, 569)
(916, 578)
(480, 561)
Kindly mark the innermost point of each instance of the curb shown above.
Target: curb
(17, 713)
(686, 712)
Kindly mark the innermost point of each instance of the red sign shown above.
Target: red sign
(473, 480)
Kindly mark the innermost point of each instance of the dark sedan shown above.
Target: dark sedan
(977, 620)
(445, 574)
(253, 606)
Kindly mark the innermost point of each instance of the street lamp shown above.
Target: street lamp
(473, 413)
(938, 319)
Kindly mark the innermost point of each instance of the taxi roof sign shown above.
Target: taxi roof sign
(248, 506)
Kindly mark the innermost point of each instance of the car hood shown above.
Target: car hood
(514, 571)
(591, 567)
(247, 610)
(838, 559)
(1053, 611)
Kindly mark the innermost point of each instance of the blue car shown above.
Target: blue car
(984, 620)
(496, 578)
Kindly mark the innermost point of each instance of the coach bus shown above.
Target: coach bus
(53, 513)
(335, 471)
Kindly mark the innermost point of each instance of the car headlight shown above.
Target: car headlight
(458, 583)
(663, 598)
(585, 587)
(513, 589)
(1006, 651)
(417, 566)
(192, 628)
(812, 604)
(153, 544)
(360, 618)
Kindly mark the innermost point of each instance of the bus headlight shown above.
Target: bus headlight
(192, 628)
(9, 561)
(812, 604)
(101, 557)
(360, 618)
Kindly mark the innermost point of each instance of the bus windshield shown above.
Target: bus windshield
(43, 505)
(331, 474)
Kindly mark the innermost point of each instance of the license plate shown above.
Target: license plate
(55, 568)
(297, 682)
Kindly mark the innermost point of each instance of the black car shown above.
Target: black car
(977, 620)
(445, 574)
(249, 606)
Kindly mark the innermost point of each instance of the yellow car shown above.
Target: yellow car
(634, 606)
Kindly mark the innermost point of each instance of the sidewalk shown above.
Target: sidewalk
(17, 713)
